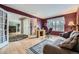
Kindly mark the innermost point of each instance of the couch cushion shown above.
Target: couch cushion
(76, 47)
(70, 43)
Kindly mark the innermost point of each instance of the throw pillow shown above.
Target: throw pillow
(66, 34)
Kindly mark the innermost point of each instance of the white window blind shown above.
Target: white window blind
(57, 24)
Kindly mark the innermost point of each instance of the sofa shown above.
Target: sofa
(69, 46)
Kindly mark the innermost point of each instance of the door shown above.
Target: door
(3, 28)
(26, 26)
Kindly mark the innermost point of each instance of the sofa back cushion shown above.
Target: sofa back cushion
(74, 33)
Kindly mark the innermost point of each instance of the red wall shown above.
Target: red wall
(68, 17)
(56, 33)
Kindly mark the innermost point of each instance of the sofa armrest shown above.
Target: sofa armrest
(48, 49)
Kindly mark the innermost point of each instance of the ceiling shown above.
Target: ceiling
(45, 10)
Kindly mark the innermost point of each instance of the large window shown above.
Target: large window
(57, 24)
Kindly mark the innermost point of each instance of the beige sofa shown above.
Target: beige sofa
(48, 49)
(51, 49)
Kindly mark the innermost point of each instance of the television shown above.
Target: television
(12, 29)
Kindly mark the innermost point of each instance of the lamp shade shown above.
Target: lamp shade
(71, 23)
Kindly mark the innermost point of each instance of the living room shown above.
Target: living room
(38, 29)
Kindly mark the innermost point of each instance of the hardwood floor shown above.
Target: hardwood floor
(19, 47)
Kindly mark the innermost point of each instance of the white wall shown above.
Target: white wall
(14, 18)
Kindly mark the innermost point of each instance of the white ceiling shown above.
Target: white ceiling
(45, 10)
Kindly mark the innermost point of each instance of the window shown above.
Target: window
(57, 24)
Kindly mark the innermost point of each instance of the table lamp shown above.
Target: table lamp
(71, 24)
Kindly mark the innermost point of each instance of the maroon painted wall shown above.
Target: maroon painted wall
(68, 17)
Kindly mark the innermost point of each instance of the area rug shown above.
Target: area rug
(17, 37)
(38, 48)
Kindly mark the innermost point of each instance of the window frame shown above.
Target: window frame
(54, 25)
